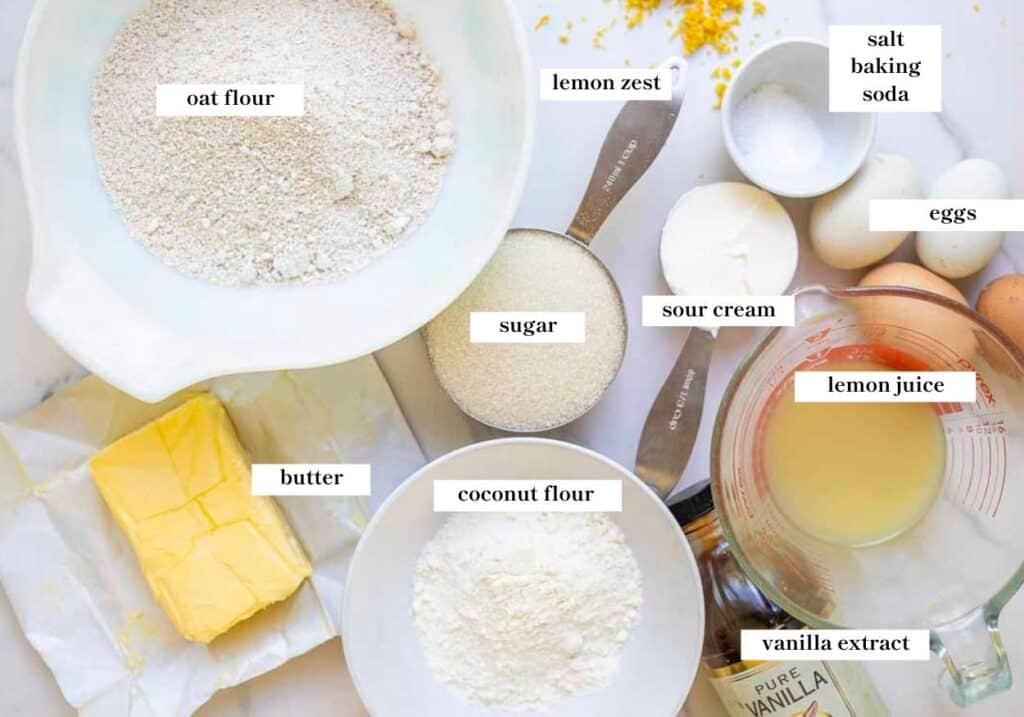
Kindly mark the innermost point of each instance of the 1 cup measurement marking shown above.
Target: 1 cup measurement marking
(247, 100)
(885, 386)
(620, 164)
(526, 496)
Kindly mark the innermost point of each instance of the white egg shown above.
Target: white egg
(958, 254)
(839, 219)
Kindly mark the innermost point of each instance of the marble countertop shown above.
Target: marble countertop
(983, 72)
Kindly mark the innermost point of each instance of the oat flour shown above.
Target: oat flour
(281, 199)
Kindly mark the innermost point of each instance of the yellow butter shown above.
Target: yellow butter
(213, 553)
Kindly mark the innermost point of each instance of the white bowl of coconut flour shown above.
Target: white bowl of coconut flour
(479, 614)
(169, 250)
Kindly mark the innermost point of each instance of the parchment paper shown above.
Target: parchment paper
(76, 585)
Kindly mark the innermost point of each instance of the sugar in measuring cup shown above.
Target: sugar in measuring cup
(532, 387)
(951, 567)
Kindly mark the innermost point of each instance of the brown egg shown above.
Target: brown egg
(901, 273)
(1002, 303)
(913, 315)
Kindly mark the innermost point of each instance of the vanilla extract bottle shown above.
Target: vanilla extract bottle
(733, 603)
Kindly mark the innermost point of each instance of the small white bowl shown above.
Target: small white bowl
(800, 65)
(385, 658)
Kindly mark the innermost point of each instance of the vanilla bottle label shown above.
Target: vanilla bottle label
(783, 689)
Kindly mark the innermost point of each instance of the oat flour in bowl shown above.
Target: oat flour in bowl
(249, 200)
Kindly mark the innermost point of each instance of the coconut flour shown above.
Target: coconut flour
(250, 200)
(515, 610)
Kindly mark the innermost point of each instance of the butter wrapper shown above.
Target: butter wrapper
(74, 581)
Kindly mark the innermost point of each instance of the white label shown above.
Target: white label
(311, 479)
(885, 386)
(230, 100)
(789, 689)
(605, 84)
(527, 496)
(527, 327)
(885, 68)
(834, 645)
(713, 311)
(946, 215)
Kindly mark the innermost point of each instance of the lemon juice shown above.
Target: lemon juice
(854, 474)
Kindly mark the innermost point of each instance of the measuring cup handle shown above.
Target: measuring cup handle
(670, 431)
(973, 653)
(634, 140)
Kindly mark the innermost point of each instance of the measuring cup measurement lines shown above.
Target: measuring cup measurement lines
(634, 140)
(972, 456)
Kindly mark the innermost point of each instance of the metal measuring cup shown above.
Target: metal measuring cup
(634, 140)
(673, 423)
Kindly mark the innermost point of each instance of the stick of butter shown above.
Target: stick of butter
(213, 553)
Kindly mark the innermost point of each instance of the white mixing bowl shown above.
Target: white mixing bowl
(659, 660)
(149, 330)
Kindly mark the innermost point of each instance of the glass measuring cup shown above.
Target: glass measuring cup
(954, 570)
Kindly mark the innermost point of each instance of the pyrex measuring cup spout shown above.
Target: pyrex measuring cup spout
(972, 651)
(633, 142)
